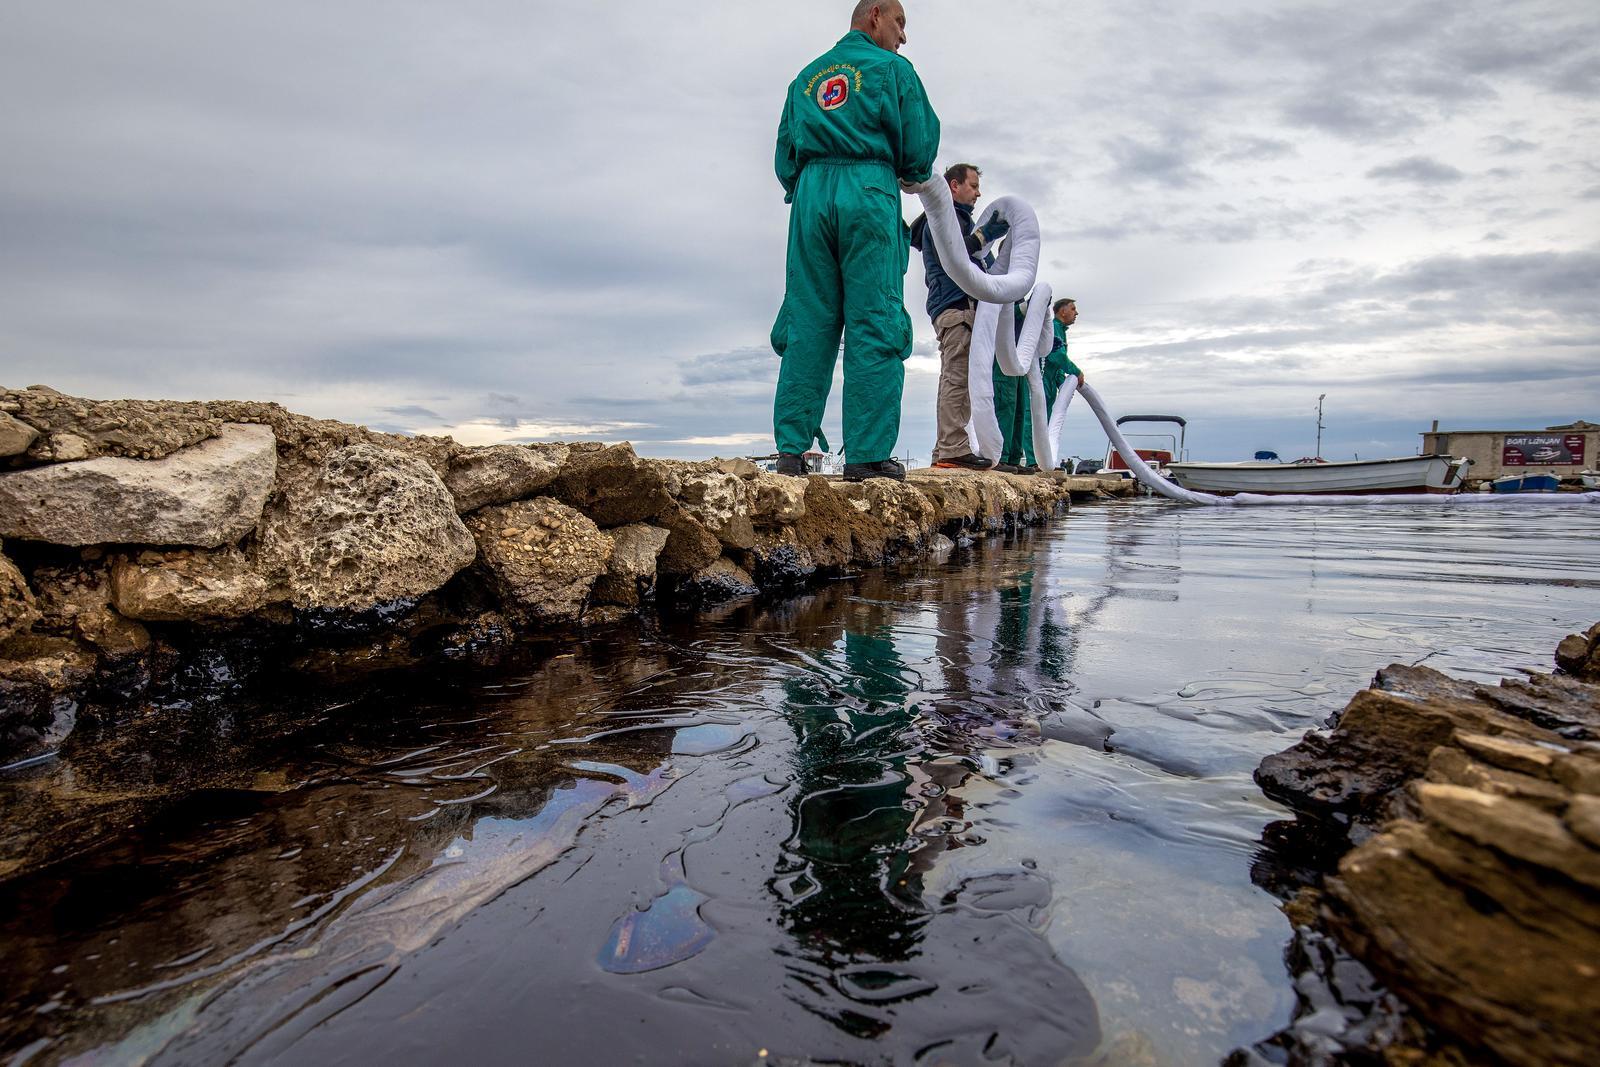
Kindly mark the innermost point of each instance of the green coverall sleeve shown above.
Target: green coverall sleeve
(919, 128)
(787, 163)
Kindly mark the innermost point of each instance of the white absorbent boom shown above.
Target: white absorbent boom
(995, 338)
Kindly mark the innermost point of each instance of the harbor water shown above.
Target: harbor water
(991, 808)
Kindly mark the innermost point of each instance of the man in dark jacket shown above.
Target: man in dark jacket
(952, 312)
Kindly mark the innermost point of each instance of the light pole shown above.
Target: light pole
(1320, 399)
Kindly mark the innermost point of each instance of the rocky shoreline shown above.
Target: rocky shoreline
(1443, 871)
(154, 552)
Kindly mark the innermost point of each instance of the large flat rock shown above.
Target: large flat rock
(208, 495)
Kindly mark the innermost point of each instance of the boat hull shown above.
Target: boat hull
(1409, 474)
(1527, 483)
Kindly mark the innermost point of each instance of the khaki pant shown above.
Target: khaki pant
(954, 330)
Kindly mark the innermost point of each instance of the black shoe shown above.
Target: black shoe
(1030, 468)
(884, 468)
(968, 462)
(792, 463)
(1007, 468)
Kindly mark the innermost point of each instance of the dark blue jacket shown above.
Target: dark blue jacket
(943, 292)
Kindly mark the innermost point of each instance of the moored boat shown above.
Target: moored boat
(1526, 483)
(1406, 474)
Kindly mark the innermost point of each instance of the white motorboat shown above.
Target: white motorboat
(1407, 474)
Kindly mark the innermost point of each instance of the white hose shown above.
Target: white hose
(996, 339)
(1172, 491)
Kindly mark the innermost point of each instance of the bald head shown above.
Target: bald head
(882, 20)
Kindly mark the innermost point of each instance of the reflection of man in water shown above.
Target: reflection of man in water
(890, 943)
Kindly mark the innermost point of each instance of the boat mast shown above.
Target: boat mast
(1320, 399)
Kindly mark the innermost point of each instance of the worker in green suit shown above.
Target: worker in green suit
(1057, 365)
(855, 125)
(1013, 410)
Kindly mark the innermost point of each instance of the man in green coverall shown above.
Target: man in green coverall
(855, 125)
(1057, 365)
(1014, 412)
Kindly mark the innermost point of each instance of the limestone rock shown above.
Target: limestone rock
(613, 486)
(480, 477)
(83, 429)
(18, 610)
(721, 504)
(781, 560)
(369, 527)
(777, 499)
(208, 495)
(631, 574)
(189, 586)
(690, 546)
(739, 468)
(16, 437)
(541, 556)
(724, 580)
(76, 602)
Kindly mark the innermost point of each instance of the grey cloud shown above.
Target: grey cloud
(1502, 145)
(412, 411)
(1419, 169)
(1257, 150)
(1168, 164)
(721, 368)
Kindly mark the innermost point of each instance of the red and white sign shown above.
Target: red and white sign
(1543, 450)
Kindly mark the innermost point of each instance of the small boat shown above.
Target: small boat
(1406, 474)
(1526, 483)
(1168, 446)
(1591, 479)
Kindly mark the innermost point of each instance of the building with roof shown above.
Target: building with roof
(1560, 450)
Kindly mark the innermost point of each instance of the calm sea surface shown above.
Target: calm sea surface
(994, 809)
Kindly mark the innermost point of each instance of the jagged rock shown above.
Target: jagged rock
(76, 602)
(1579, 655)
(18, 610)
(777, 499)
(721, 504)
(1384, 739)
(1474, 893)
(189, 586)
(541, 556)
(135, 429)
(307, 442)
(780, 560)
(1485, 918)
(825, 529)
(16, 437)
(690, 546)
(739, 468)
(369, 527)
(613, 486)
(631, 574)
(501, 474)
(724, 580)
(891, 518)
(209, 495)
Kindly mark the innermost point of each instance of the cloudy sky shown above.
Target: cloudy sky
(514, 219)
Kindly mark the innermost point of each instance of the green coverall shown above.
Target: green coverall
(1014, 412)
(855, 123)
(1057, 365)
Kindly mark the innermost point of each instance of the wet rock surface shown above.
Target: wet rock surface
(1454, 829)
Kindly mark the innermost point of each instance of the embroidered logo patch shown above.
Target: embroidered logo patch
(832, 94)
